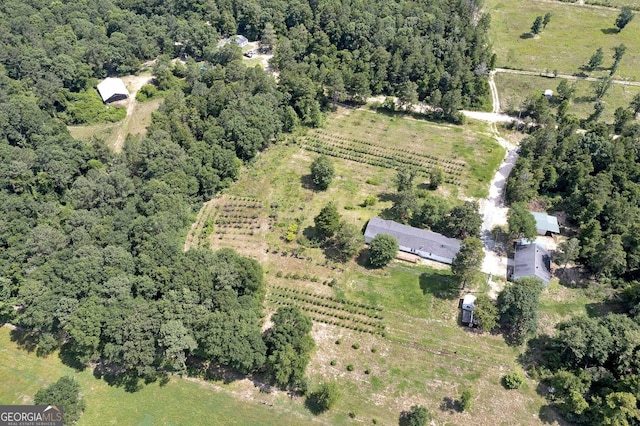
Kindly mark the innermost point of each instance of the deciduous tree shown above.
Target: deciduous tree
(65, 393)
(468, 260)
(322, 172)
(518, 307)
(383, 248)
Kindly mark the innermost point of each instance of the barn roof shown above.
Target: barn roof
(532, 260)
(546, 223)
(414, 238)
(111, 87)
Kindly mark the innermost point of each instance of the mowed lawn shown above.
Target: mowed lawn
(513, 89)
(567, 43)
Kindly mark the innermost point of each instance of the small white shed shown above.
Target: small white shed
(548, 93)
(112, 89)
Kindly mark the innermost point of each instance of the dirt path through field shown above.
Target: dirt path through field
(492, 208)
(133, 83)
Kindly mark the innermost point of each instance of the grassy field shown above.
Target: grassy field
(567, 43)
(109, 132)
(514, 89)
(468, 154)
(179, 402)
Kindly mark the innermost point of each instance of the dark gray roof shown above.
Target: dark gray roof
(532, 260)
(414, 238)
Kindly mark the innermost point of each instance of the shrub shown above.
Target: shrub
(466, 399)
(367, 371)
(513, 380)
(369, 201)
(339, 341)
(326, 396)
(356, 345)
(147, 92)
(322, 172)
(417, 416)
(350, 367)
(334, 362)
(374, 350)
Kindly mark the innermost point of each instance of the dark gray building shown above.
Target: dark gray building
(531, 260)
(426, 244)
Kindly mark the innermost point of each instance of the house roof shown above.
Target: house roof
(414, 238)
(546, 222)
(532, 260)
(110, 87)
(240, 39)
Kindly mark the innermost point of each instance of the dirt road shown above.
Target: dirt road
(133, 83)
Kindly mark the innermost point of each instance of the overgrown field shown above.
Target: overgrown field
(572, 36)
(514, 89)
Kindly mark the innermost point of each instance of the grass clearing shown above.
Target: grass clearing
(567, 43)
(513, 89)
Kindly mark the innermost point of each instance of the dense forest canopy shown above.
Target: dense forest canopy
(91, 257)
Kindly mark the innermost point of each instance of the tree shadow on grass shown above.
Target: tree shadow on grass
(26, 340)
(442, 287)
(451, 405)
(70, 358)
(526, 36)
(609, 31)
(307, 182)
(311, 404)
(115, 376)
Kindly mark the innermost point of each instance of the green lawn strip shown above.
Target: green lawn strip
(513, 89)
(567, 43)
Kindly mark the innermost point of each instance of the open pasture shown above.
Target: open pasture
(571, 37)
(513, 89)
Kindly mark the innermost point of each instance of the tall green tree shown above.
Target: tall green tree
(289, 346)
(418, 415)
(383, 248)
(64, 393)
(596, 59)
(546, 19)
(536, 27)
(468, 261)
(327, 222)
(322, 172)
(518, 307)
(521, 223)
(485, 313)
(463, 221)
(568, 251)
(348, 241)
(623, 19)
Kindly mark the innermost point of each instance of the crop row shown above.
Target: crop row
(404, 151)
(241, 215)
(414, 159)
(327, 298)
(373, 160)
(318, 315)
(334, 310)
(235, 221)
